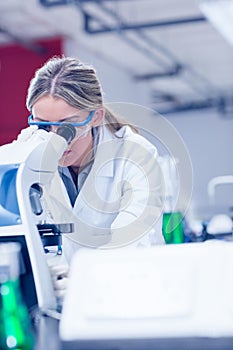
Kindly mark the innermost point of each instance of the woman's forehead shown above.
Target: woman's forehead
(49, 107)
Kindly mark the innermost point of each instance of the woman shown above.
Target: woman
(108, 181)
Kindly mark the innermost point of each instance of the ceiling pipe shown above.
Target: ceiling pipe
(124, 27)
(188, 106)
(51, 3)
(169, 73)
(173, 68)
(168, 70)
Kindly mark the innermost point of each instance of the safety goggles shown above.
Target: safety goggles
(48, 125)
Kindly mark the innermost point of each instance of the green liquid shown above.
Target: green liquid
(173, 231)
(15, 325)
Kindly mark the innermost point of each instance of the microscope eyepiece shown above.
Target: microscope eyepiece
(67, 131)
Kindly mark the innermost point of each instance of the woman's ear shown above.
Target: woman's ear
(98, 117)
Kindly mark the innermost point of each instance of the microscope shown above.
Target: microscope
(25, 167)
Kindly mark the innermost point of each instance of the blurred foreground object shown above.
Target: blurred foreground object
(26, 167)
(166, 291)
(15, 326)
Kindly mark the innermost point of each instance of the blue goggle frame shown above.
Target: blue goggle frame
(85, 122)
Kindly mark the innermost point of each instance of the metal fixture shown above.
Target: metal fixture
(217, 181)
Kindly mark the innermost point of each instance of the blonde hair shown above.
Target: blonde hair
(74, 82)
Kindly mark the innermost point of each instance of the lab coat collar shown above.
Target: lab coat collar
(105, 136)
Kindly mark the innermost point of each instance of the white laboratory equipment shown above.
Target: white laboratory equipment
(25, 166)
(123, 296)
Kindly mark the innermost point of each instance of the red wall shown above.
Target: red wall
(17, 67)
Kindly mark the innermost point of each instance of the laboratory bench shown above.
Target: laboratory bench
(47, 338)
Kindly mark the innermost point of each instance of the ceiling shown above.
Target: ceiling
(168, 45)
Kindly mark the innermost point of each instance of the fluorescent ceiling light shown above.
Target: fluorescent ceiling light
(220, 14)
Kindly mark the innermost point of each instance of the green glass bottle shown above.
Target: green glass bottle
(173, 231)
(15, 324)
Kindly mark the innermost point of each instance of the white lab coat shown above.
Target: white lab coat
(121, 201)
